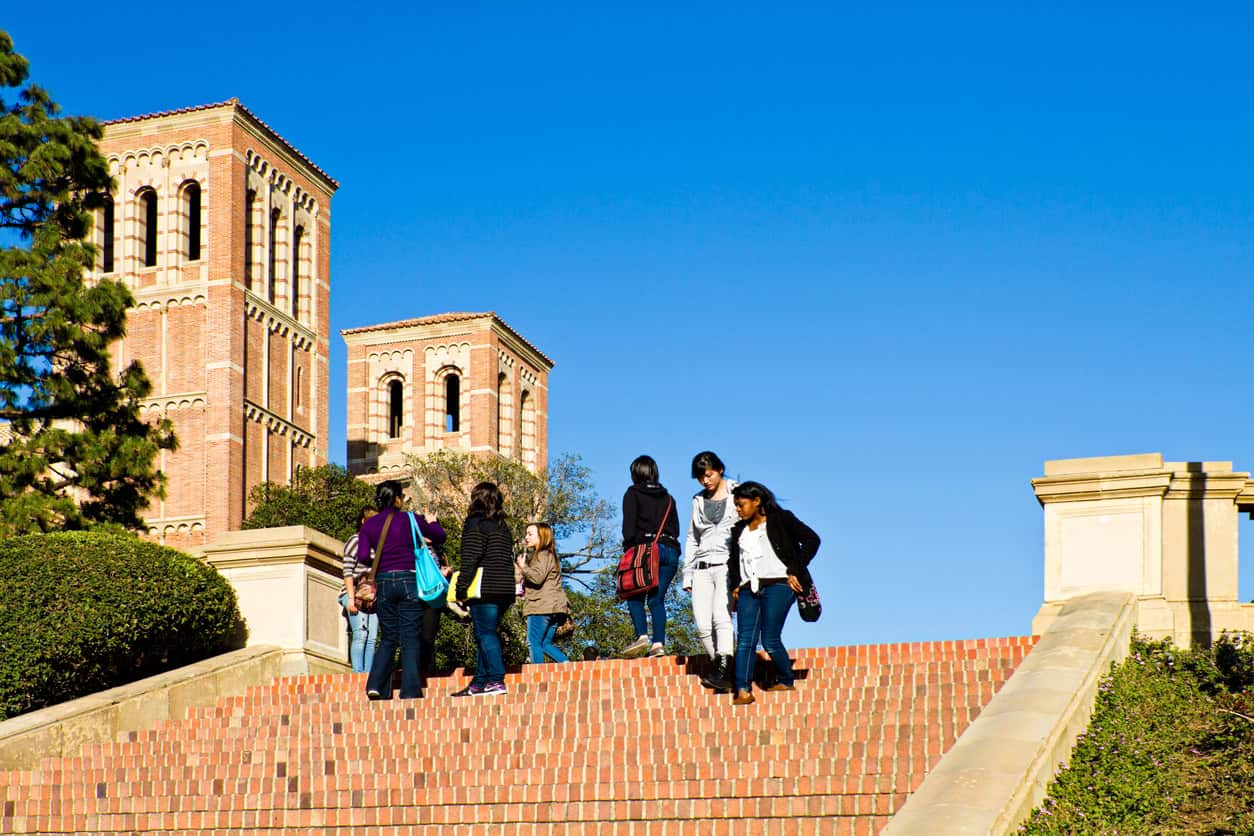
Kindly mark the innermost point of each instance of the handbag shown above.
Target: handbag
(638, 567)
(365, 592)
(432, 585)
(473, 591)
(808, 604)
(566, 628)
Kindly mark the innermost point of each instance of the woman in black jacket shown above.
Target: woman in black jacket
(487, 548)
(769, 552)
(648, 507)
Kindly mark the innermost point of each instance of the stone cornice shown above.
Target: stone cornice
(175, 400)
(1082, 487)
(1190, 485)
(279, 322)
(278, 424)
(1245, 499)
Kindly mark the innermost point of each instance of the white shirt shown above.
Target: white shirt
(758, 558)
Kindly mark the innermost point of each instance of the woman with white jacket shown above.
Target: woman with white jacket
(705, 569)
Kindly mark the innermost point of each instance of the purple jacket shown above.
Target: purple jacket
(397, 554)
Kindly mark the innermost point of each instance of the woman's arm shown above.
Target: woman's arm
(431, 530)
(536, 570)
(473, 545)
(690, 560)
(629, 518)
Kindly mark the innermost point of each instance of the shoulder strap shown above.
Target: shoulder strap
(378, 556)
(670, 503)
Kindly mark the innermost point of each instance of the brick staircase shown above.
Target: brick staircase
(610, 747)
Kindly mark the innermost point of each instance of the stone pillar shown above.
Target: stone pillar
(287, 581)
(1164, 531)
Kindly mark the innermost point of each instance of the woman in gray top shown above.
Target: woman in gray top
(705, 569)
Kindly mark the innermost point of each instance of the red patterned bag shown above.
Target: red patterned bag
(638, 567)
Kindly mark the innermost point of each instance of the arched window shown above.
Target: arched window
(148, 228)
(297, 235)
(527, 436)
(106, 225)
(504, 416)
(250, 200)
(191, 212)
(274, 251)
(396, 408)
(452, 403)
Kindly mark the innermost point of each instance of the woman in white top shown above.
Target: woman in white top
(705, 568)
(770, 550)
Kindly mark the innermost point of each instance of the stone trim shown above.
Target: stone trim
(278, 322)
(278, 424)
(997, 772)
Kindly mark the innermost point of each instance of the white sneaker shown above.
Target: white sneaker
(657, 649)
(637, 648)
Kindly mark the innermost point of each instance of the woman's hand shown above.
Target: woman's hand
(351, 606)
(795, 585)
(735, 596)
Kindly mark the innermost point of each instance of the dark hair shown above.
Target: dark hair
(363, 513)
(758, 491)
(385, 494)
(706, 460)
(643, 469)
(486, 501)
(590, 654)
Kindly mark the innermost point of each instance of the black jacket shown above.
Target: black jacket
(794, 542)
(487, 544)
(643, 509)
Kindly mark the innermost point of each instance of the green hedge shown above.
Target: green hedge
(85, 611)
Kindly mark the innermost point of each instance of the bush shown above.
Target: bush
(1170, 748)
(86, 611)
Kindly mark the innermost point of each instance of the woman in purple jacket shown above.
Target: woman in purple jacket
(398, 605)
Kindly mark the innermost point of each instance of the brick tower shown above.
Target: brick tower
(460, 380)
(222, 231)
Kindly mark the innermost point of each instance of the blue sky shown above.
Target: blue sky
(886, 260)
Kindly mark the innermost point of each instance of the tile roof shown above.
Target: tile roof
(454, 316)
(235, 103)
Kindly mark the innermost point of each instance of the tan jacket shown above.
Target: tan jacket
(543, 593)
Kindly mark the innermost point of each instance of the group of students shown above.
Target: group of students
(744, 555)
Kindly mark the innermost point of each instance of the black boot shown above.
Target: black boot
(719, 679)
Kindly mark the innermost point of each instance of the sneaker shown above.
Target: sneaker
(374, 695)
(492, 689)
(657, 649)
(637, 648)
(471, 690)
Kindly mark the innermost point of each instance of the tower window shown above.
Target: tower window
(249, 200)
(148, 227)
(106, 247)
(296, 239)
(452, 403)
(274, 251)
(191, 201)
(396, 408)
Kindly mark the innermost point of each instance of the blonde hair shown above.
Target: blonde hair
(544, 534)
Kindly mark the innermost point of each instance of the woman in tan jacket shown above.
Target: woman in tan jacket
(544, 598)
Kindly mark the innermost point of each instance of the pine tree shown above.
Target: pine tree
(79, 453)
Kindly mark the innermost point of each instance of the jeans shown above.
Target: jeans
(667, 566)
(540, 630)
(762, 616)
(711, 610)
(400, 612)
(364, 628)
(485, 617)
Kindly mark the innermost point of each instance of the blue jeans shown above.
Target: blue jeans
(540, 630)
(667, 566)
(364, 629)
(400, 612)
(485, 617)
(762, 616)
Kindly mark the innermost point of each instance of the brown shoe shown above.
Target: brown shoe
(743, 698)
(779, 686)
